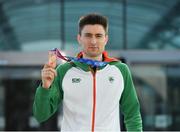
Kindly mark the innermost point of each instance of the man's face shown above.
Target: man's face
(93, 39)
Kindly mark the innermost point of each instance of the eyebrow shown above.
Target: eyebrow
(97, 34)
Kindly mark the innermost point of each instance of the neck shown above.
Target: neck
(98, 58)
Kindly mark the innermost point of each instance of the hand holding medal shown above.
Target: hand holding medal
(48, 73)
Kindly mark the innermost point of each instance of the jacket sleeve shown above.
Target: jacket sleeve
(129, 103)
(46, 101)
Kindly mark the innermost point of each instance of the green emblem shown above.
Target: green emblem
(111, 79)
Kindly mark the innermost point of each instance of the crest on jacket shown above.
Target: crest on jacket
(111, 79)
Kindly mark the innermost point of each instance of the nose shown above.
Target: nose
(93, 40)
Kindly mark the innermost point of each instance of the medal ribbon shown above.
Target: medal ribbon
(93, 63)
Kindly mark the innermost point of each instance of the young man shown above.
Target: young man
(92, 96)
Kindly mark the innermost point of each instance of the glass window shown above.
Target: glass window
(153, 24)
(74, 10)
(42, 25)
(2, 94)
(158, 88)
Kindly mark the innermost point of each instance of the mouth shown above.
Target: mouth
(93, 47)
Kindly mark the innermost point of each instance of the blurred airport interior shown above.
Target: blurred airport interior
(143, 33)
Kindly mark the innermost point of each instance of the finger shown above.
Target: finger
(46, 66)
(52, 59)
(54, 71)
(48, 75)
(50, 70)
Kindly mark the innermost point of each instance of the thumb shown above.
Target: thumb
(52, 59)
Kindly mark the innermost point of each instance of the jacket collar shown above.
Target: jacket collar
(106, 58)
(86, 67)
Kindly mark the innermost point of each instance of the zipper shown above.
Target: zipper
(94, 99)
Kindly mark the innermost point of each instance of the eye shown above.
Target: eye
(99, 36)
(88, 35)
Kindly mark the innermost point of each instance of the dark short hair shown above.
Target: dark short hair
(91, 19)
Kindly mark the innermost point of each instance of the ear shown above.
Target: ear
(79, 38)
(106, 39)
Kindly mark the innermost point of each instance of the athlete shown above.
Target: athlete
(92, 96)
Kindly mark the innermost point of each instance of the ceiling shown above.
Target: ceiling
(30, 25)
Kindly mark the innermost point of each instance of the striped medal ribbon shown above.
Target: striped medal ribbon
(93, 63)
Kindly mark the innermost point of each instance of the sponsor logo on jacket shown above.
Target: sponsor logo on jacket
(76, 80)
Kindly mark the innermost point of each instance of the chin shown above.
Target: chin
(94, 54)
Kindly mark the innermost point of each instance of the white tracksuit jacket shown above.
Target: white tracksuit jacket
(91, 98)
